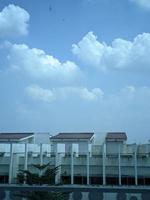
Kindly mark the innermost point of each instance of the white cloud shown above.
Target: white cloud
(13, 21)
(142, 3)
(127, 95)
(38, 64)
(39, 93)
(130, 98)
(46, 95)
(81, 92)
(121, 54)
(89, 50)
(129, 90)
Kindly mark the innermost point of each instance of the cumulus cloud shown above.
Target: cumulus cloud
(49, 95)
(127, 95)
(38, 64)
(121, 54)
(129, 98)
(81, 92)
(13, 21)
(39, 93)
(142, 3)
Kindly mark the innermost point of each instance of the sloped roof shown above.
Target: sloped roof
(73, 136)
(14, 136)
(116, 136)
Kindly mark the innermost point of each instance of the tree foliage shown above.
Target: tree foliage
(46, 176)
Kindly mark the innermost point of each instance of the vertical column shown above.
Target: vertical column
(15, 165)
(26, 157)
(72, 166)
(56, 165)
(41, 154)
(104, 159)
(135, 165)
(25, 161)
(41, 158)
(10, 164)
(55, 151)
(87, 165)
(119, 165)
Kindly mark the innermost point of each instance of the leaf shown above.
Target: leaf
(41, 167)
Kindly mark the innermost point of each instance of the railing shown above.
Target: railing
(77, 192)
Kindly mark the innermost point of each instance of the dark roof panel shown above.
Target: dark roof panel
(14, 136)
(73, 136)
(116, 136)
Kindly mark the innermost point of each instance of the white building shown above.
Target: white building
(84, 158)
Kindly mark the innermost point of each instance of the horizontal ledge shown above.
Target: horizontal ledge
(76, 188)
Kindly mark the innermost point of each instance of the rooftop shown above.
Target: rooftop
(116, 136)
(14, 136)
(74, 136)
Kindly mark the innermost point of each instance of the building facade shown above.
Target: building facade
(81, 157)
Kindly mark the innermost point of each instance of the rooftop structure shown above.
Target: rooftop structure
(82, 139)
(72, 136)
(15, 137)
(116, 136)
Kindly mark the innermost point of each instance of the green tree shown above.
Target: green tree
(46, 176)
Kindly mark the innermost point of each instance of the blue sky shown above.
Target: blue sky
(75, 65)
